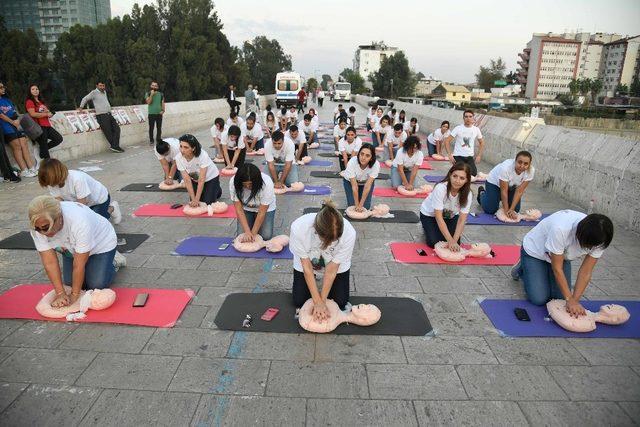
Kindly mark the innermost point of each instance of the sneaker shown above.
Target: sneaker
(117, 149)
(516, 270)
(28, 173)
(119, 261)
(12, 178)
(116, 215)
(36, 156)
(480, 190)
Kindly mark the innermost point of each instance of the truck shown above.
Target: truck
(288, 84)
(341, 91)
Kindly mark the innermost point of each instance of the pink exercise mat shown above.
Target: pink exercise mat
(408, 253)
(162, 310)
(164, 210)
(390, 192)
(425, 165)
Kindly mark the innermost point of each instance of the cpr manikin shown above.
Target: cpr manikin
(423, 189)
(361, 314)
(477, 250)
(175, 185)
(436, 156)
(96, 299)
(276, 244)
(304, 160)
(481, 176)
(528, 215)
(228, 172)
(295, 187)
(258, 152)
(609, 314)
(378, 211)
(203, 208)
(314, 145)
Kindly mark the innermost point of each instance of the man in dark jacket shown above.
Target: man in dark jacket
(231, 96)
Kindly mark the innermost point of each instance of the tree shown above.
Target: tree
(596, 87)
(326, 78)
(584, 86)
(622, 89)
(634, 89)
(312, 84)
(512, 78)
(356, 80)
(394, 78)
(574, 87)
(487, 75)
(420, 75)
(264, 59)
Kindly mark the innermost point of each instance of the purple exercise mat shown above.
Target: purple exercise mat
(311, 190)
(208, 246)
(438, 178)
(487, 219)
(323, 163)
(500, 312)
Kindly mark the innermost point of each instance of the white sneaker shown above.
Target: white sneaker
(116, 215)
(36, 156)
(119, 261)
(28, 173)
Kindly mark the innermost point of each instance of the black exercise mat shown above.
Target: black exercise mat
(332, 155)
(142, 186)
(400, 316)
(23, 241)
(334, 174)
(405, 217)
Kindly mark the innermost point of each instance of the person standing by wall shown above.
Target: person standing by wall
(256, 95)
(38, 110)
(250, 99)
(155, 100)
(108, 124)
(14, 136)
(231, 96)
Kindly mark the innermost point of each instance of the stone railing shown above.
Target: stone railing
(578, 165)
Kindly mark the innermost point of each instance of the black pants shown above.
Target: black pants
(432, 232)
(300, 106)
(320, 101)
(50, 138)
(5, 163)
(211, 190)
(339, 290)
(234, 106)
(468, 160)
(155, 119)
(110, 129)
(241, 156)
(302, 147)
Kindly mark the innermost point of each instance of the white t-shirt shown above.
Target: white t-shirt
(307, 129)
(353, 170)
(300, 139)
(506, 171)
(174, 149)
(352, 117)
(239, 122)
(556, 234)
(292, 115)
(465, 140)
(266, 196)
(321, 94)
(339, 133)
(193, 166)
(397, 141)
(305, 243)
(217, 133)
(79, 185)
(82, 231)
(383, 131)
(375, 120)
(437, 135)
(402, 159)
(352, 148)
(238, 143)
(286, 153)
(439, 200)
(254, 132)
(315, 120)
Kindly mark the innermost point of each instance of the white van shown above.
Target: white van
(288, 84)
(342, 91)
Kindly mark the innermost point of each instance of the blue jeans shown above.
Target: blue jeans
(374, 140)
(266, 230)
(291, 177)
(490, 198)
(315, 137)
(396, 180)
(385, 155)
(103, 208)
(431, 149)
(259, 144)
(349, 193)
(539, 282)
(98, 271)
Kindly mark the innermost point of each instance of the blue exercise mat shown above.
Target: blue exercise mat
(209, 246)
(487, 219)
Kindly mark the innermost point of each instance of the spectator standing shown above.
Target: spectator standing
(320, 96)
(250, 99)
(155, 100)
(38, 110)
(14, 136)
(108, 124)
(234, 104)
(302, 95)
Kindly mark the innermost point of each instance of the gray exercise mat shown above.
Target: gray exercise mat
(400, 316)
(331, 155)
(336, 174)
(150, 186)
(400, 216)
(127, 242)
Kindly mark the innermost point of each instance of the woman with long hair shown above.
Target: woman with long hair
(38, 110)
(253, 196)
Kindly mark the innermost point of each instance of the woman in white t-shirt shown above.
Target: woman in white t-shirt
(374, 122)
(315, 119)
(406, 164)
(507, 183)
(548, 249)
(234, 120)
(77, 186)
(216, 134)
(435, 138)
(348, 147)
(412, 127)
(380, 131)
(359, 178)
(270, 124)
(86, 241)
(402, 118)
(234, 149)
(198, 169)
(444, 212)
(370, 115)
(253, 196)
(322, 244)
(339, 131)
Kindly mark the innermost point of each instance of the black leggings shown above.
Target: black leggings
(339, 291)
(241, 156)
(432, 232)
(211, 190)
(468, 160)
(50, 138)
(303, 147)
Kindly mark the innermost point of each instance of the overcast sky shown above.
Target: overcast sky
(447, 40)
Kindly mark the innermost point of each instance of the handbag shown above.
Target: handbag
(30, 127)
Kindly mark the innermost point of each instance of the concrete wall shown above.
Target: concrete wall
(577, 165)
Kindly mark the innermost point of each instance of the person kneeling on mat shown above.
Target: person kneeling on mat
(444, 212)
(86, 241)
(253, 134)
(166, 152)
(359, 178)
(197, 168)
(233, 148)
(406, 164)
(255, 202)
(279, 153)
(548, 249)
(506, 183)
(339, 132)
(322, 243)
(298, 140)
(348, 147)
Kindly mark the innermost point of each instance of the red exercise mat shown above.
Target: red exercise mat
(431, 159)
(164, 209)
(390, 192)
(162, 310)
(425, 165)
(408, 253)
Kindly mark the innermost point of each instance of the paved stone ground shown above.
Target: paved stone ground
(53, 373)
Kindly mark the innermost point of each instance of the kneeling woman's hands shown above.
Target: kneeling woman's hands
(194, 203)
(62, 300)
(246, 237)
(453, 246)
(320, 312)
(574, 308)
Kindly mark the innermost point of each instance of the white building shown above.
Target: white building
(368, 58)
(620, 64)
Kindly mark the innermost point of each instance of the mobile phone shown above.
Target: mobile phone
(223, 246)
(421, 252)
(141, 300)
(148, 186)
(270, 314)
(176, 205)
(521, 314)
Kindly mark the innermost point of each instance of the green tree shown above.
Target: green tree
(326, 78)
(487, 75)
(512, 78)
(356, 80)
(265, 58)
(595, 87)
(622, 89)
(312, 84)
(634, 89)
(420, 75)
(574, 87)
(394, 78)
(584, 86)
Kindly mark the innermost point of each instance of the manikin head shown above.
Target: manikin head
(367, 314)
